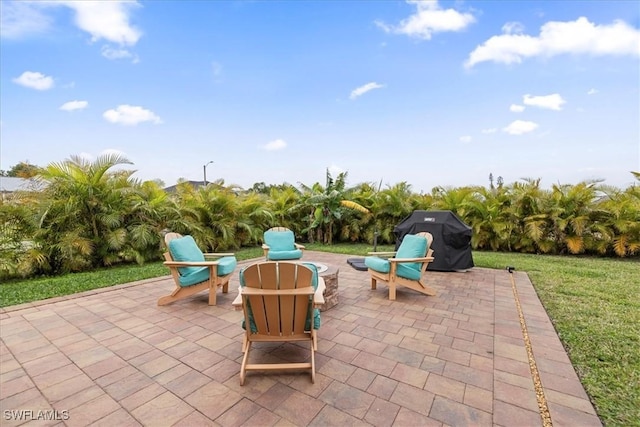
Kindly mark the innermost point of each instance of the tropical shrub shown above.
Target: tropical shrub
(94, 214)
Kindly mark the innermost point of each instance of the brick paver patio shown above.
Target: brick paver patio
(112, 357)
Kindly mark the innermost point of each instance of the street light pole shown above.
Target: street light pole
(204, 168)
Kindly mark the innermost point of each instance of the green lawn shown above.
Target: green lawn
(594, 304)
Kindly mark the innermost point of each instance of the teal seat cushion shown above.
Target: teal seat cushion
(279, 240)
(283, 255)
(380, 265)
(412, 247)
(185, 249)
(199, 274)
(316, 312)
(226, 265)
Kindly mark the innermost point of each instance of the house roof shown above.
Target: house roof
(194, 184)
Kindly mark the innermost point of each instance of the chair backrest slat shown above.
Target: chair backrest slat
(169, 237)
(279, 315)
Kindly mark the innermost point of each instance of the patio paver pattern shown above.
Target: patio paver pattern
(112, 357)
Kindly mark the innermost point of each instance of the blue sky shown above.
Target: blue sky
(426, 92)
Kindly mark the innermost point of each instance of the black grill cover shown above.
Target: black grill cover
(451, 238)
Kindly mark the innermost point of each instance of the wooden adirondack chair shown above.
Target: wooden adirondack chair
(279, 244)
(192, 272)
(279, 300)
(405, 267)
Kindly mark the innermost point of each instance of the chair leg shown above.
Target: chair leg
(243, 367)
(392, 291)
(313, 362)
(179, 293)
(166, 300)
(373, 283)
(213, 290)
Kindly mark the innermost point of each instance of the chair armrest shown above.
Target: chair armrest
(401, 260)
(318, 297)
(265, 246)
(219, 254)
(237, 302)
(278, 292)
(381, 253)
(299, 246)
(191, 263)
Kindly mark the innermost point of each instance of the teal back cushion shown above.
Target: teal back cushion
(279, 240)
(412, 246)
(185, 249)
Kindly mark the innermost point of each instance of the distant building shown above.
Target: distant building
(194, 184)
(9, 185)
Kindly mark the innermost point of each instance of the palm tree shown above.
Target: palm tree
(358, 228)
(452, 199)
(327, 206)
(620, 211)
(391, 205)
(81, 213)
(526, 213)
(569, 211)
(152, 212)
(16, 229)
(282, 203)
(488, 215)
(252, 218)
(211, 213)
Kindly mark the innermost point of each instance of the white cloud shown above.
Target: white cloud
(551, 102)
(429, 18)
(592, 91)
(489, 131)
(465, 138)
(21, 19)
(364, 89)
(130, 115)
(74, 105)
(520, 127)
(516, 108)
(513, 28)
(275, 145)
(34, 80)
(556, 38)
(118, 53)
(106, 20)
